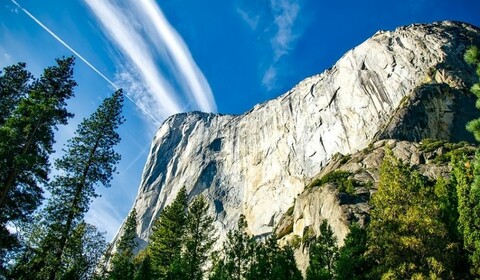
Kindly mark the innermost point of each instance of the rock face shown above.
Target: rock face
(409, 84)
(320, 202)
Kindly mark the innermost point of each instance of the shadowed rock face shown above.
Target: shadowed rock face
(408, 84)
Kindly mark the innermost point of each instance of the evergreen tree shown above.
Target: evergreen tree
(467, 176)
(322, 254)
(122, 261)
(197, 243)
(218, 271)
(269, 261)
(468, 181)
(15, 82)
(83, 252)
(285, 265)
(30, 112)
(472, 56)
(351, 263)
(143, 267)
(406, 236)
(89, 160)
(167, 235)
(27, 134)
(237, 254)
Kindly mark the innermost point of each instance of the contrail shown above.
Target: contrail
(82, 58)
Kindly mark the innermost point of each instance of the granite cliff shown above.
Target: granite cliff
(407, 84)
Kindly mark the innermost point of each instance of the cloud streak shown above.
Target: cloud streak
(147, 43)
(191, 76)
(56, 37)
(285, 13)
(278, 24)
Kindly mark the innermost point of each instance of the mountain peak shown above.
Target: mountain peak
(408, 84)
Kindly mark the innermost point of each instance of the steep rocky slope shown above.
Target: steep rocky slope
(409, 84)
(324, 198)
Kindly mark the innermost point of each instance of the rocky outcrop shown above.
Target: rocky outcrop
(408, 83)
(326, 201)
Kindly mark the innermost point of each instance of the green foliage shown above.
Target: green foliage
(198, 242)
(406, 237)
(466, 175)
(89, 160)
(30, 111)
(15, 83)
(472, 56)
(272, 262)
(122, 261)
(237, 254)
(295, 242)
(323, 254)
(167, 235)
(81, 255)
(345, 159)
(243, 257)
(83, 251)
(339, 177)
(352, 263)
(143, 266)
(450, 150)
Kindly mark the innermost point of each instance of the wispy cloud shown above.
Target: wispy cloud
(190, 75)
(56, 37)
(278, 23)
(149, 44)
(251, 20)
(269, 77)
(285, 13)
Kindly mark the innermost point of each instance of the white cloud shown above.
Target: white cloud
(269, 78)
(251, 20)
(56, 37)
(278, 22)
(143, 35)
(190, 75)
(118, 26)
(285, 13)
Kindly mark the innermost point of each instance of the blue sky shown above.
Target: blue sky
(174, 56)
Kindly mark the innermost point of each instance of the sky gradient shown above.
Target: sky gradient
(176, 56)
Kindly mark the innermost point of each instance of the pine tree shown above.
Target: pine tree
(269, 261)
(83, 252)
(122, 261)
(15, 82)
(197, 243)
(237, 256)
(468, 181)
(28, 132)
(406, 236)
(351, 263)
(167, 235)
(31, 111)
(472, 56)
(89, 161)
(285, 266)
(143, 266)
(466, 175)
(322, 254)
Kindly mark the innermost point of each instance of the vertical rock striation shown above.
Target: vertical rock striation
(409, 84)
